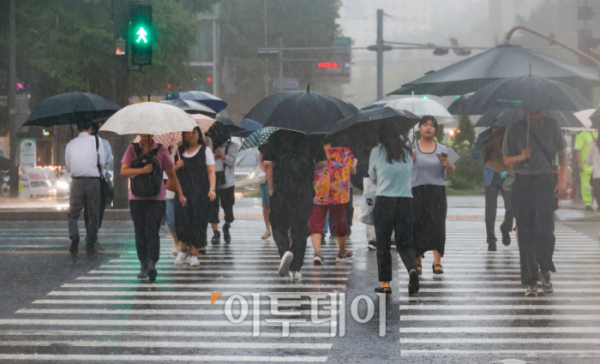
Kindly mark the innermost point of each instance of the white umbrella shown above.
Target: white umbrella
(421, 107)
(584, 117)
(149, 118)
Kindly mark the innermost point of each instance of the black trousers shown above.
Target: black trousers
(394, 214)
(86, 196)
(290, 210)
(147, 216)
(596, 187)
(226, 196)
(491, 206)
(534, 202)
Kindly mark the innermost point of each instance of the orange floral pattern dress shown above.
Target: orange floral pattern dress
(332, 184)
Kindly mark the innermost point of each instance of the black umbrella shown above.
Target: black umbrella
(221, 130)
(191, 107)
(505, 117)
(69, 108)
(457, 106)
(526, 93)
(358, 132)
(503, 61)
(304, 111)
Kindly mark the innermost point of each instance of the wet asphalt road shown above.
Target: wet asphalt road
(55, 309)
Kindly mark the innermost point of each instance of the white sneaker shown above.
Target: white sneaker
(176, 250)
(294, 276)
(181, 258)
(284, 266)
(194, 261)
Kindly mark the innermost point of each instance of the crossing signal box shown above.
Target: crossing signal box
(141, 34)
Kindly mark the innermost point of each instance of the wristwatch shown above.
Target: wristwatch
(212, 189)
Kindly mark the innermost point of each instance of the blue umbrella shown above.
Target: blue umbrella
(202, 97)
(376, 105)
(250, 126)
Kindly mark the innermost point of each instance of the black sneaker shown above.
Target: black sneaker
(589, 208)
(74, 249)
(492, 247)
(413, 283)
(216, 239)
(505, 235)
(151, 271)
(143, 270)
(226, 235)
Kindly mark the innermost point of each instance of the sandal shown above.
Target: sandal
(386, 290)
(437, 271)
(419, 269)
(266, 235)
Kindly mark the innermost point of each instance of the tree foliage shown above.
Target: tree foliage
(69, 45)
(465, 131)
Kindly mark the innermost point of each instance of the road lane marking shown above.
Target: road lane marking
(199, 285)
(164, 358)
(143, 322)
(525, 353)
(515, 317)
(194, 312)
(158, 333)
(170, 344)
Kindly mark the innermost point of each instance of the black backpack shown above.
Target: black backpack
(148, 184)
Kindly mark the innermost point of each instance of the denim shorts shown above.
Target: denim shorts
(265, 194)
(171, 214)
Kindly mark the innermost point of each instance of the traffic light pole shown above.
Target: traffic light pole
(379, 54)
(12, 100)
(554, 41)
(120, 21)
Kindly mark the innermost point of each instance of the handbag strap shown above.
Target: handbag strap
(98, 156)
(543, 149)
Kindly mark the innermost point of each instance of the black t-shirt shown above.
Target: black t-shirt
(294, 156)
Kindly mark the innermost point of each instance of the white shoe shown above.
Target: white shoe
(181, 258)
(294, 276)
(194, 261)
(176, 250)
(284, 266)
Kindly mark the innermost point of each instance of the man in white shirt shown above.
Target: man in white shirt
(225, 158)
(108, 158)
(82, 161)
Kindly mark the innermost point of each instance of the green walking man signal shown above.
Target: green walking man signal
(141, 34)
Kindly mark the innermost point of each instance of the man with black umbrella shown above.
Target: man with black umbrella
(531, 147)
(290, 159)
(83, 158)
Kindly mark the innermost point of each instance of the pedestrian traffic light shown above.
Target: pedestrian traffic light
(141, 34)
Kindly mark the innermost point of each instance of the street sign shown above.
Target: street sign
(289, 83)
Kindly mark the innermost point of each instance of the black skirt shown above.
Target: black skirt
(429, 209)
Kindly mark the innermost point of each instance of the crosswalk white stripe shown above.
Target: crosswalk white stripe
(238, 278)
(169, 302)
(498, 282)
(163, 358)
(438, 341)
(194, 312)
(200, 285)
(162, 334)
(502, 290)
(497, 307)
(526, 353)
(177, 293)
(144, 322)
(501, 330)
(498, 317)
(171, 344)
(212, 272)
(501, 298)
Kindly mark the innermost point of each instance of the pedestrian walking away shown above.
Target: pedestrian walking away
(497, 178)
(593, 159)
(390, 166)
(144, 163)
(432, 163)
(584, 141)
(532, 150)
(170, 211)
(225, 157)
(195, 169)
(290, 159)
(83, 157)
(332, 195)
(265, 198)
(108, 159)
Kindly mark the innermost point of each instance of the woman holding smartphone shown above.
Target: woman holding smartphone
(431, 166)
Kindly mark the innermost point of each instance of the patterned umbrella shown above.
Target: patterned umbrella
(258, 138)
(169, 139)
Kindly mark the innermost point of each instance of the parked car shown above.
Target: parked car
(247, 171)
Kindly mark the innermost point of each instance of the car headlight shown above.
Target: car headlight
(63, 185)
(251, 175)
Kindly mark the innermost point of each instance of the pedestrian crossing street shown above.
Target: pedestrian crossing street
(108, 315)
(477, 311)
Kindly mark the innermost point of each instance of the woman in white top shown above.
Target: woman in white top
(593, 159)
(196, 172)
(429, 193)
